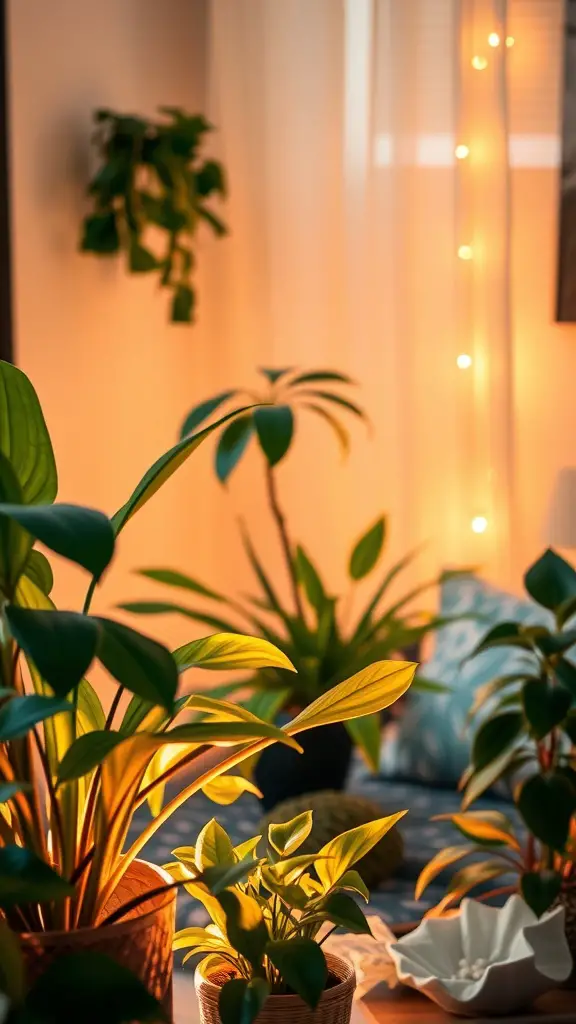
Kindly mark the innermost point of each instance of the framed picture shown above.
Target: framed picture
(566, 304)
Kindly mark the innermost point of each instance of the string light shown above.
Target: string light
(479, 63)
(479, 524)
(494, 40)
(464, 361)
(510, 41)
(465, 252)
(461, 152)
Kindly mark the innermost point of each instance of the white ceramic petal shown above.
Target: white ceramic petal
(524, 957)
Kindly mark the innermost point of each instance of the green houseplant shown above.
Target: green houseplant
(532, 730)
(152, 176)
(72, 773)
(314, 628)
(264, 938)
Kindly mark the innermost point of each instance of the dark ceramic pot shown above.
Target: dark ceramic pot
(281, 773)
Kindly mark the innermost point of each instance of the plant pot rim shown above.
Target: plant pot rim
(286, 1002)
(86, 934)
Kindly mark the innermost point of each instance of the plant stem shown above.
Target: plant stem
(54, 804)
(280, 520)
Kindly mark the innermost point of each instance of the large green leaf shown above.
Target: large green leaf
(368, 550)
(232, 445)
(275, 428)
(24, 878)
(20, 714)
(302, 966)
(345, 912)
(540, 889)
(201, 412)
(162, 470)
(80, 534)
(231, 651)
(245, 925)
(545, 705)
(213, 847)
(240, 1001)
(494, 737)
(62, 645)
(24, 438)
(142, 665)
(547, 803)
(551, 581)
(372, 689)
(39, 570)
(87, 752)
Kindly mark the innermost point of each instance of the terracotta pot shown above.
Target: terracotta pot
(335, 1006)
(142, 941)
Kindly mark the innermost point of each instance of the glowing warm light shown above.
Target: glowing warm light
(494, 39)
(510, 41)
(465, 252)
(479, 63)
(479, 524)
(464, 361)
(461, 152)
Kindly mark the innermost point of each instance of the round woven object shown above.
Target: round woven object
(334, 813)
(142, 941)
(335, 1006)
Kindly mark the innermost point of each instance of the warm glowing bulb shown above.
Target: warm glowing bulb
(479, 63)
(479, 524)
(510, 41)
(461, 152)
(465, 252)
(494, 39)
(464, 361)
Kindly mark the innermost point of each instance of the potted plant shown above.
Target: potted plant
(263, 948)
(315, 628)
(531, 730)
(152, 184)
(72, 773)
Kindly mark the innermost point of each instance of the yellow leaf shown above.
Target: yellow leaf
(289, 835)
(226, 789)
(231, 651)
(349, 847)
(372, 689)
(441, 860)
(249, 846)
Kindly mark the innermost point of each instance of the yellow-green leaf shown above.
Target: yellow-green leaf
(483, 827)
(246, 848)
(441, 860)
(225, 789)
(346, 849)
(213, 848)
(289, 835)
(374, 688)
(231, 651)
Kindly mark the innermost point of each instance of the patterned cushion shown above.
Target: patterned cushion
(431, 740)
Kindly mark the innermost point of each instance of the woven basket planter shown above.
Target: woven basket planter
(142, 941)
(335, 1006)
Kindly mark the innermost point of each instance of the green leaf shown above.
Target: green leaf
(170, 608)
(566, 611)
(183, 305)
(179, 579)
(245, 926)
(555, 643)
(62, 645)
(308, 576)
(344, 403)
(495, 736)
(100, 234)
(551, 581)
(221, 877)
(213, 847)
(439, 862)
(273, 376)
(345, 912)
(232, 446)
(367, 551)
(275, 428)
(302, 967)
(240, 1001)
(366, 733)
(353, 881)
(372, 689)
(231, 651)
(342, 852)
(141, 260)
(89, 986)
(162, 470)
(540, 889)
(24, 437)
(81, 535)
(87, 752)
(288, 836)
(24, 878)
(15, 543)
(483, 779)
(506, 634)
(142, 665)
(565, 672)
(203, 411)
(547, 803)
(39, 570)
(321, 376)
(545, 705)
(20, 714)
(342, 435)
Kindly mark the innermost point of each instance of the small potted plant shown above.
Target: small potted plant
(72, 772)
(270, 918)
(314, 628)
(531, 730)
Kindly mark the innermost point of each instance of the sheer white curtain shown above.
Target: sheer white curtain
(337, 123)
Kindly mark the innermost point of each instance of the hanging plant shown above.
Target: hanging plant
(153, 177)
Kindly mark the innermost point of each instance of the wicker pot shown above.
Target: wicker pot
(142, 941)
(335, 1006)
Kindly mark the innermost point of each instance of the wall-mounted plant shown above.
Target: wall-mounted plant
(152, 176)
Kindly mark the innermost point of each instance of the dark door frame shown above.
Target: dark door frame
(6, 321)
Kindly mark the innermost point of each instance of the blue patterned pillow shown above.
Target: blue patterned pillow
(431, 740)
